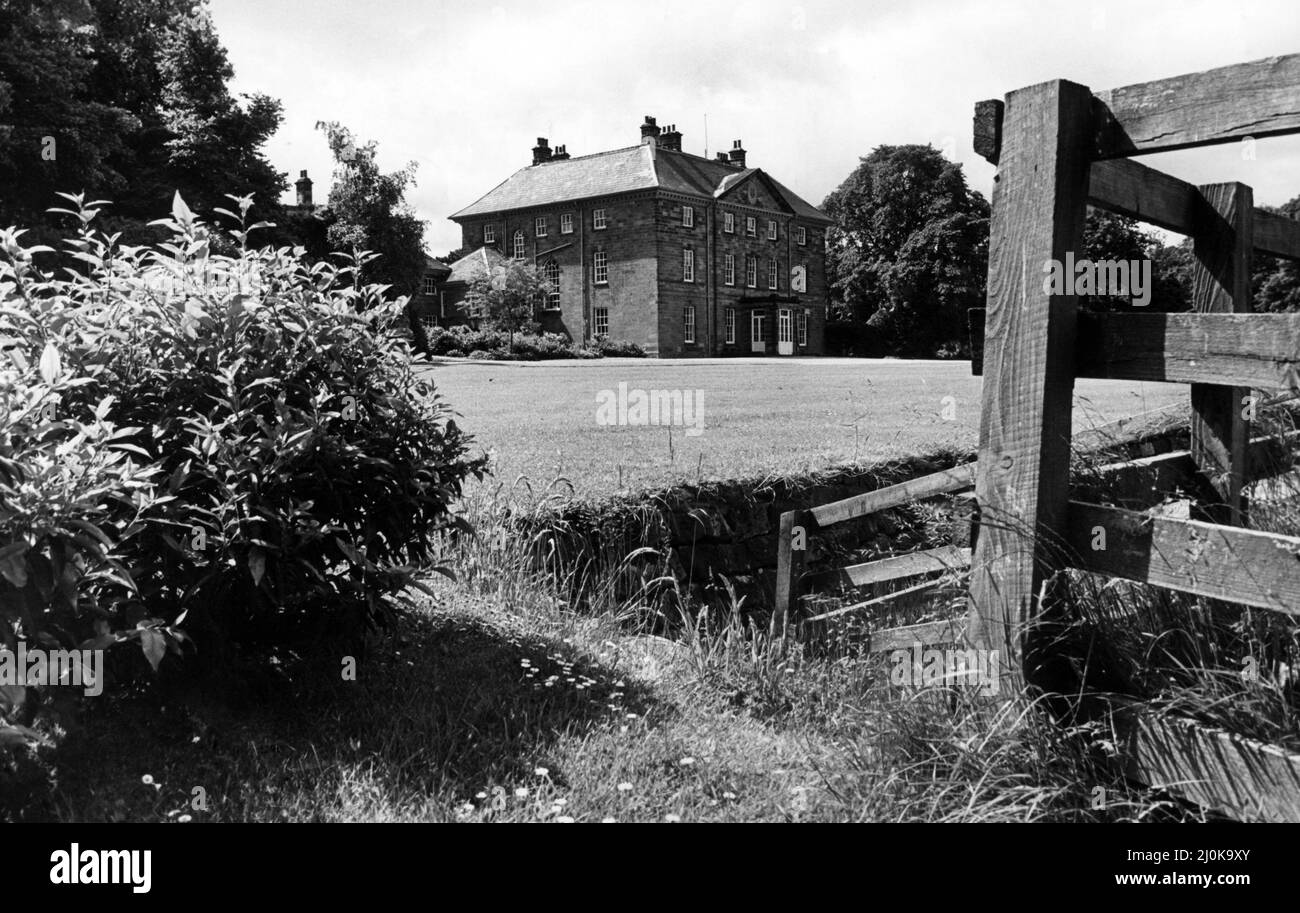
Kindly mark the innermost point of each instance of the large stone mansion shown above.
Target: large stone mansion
(681, 254)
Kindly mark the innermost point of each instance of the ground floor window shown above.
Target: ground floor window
(803, 328)
(731, 325)
(600, 322)
(551, 273)
(757, 328)
(688, 323)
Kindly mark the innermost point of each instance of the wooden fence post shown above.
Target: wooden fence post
(1223, 245)
(789, 566)
(1039, 202)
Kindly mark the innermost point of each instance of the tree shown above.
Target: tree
(126, 100)
(507, 298)
(367, 210)
(1275, 281)
(908, 253)
(54, 135)
(1113, 237)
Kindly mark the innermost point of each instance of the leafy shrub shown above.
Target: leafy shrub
(237, 442)
(456, 341)
(605, 347)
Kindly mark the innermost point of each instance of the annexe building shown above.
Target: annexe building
(681, 254)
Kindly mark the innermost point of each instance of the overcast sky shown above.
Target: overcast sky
(464, 89)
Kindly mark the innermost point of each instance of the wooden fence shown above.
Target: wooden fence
(1060, 148)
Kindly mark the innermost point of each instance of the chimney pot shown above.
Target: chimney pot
(649, 132)
(303, 186)
(737, 154)
(542, 151)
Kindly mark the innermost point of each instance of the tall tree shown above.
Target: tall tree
(908, 252)
(133, 95)
(367, 210)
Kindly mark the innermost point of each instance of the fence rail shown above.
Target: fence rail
(1060, 148)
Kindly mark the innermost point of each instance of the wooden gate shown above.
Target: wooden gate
(1059, 148)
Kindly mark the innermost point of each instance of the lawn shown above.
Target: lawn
(759, 416)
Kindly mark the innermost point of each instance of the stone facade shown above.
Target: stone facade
(648, 292)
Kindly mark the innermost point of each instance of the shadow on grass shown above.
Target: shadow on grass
(446, 707)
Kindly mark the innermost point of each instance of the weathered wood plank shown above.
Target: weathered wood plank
(1256, 99)
(1277, 235)
(958, 478)
(1243, 778)
(912, 564)
(1132, 189)
(988, 129)
(789, 567)
(1251, 350)
(1222, 246)
(950, 631)
(1205, 559)
(1039, 202)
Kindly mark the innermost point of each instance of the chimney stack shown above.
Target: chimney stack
(304, 188)
(671, 139)
(649, 132)
(737, 154)
(561, 153)
(542, 151)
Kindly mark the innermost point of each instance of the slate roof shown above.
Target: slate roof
(434, 266)
(623, 171)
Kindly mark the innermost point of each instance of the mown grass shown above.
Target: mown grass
(778, 417)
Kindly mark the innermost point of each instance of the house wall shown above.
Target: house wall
(646, 294)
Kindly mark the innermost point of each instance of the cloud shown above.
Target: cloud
(464, 89)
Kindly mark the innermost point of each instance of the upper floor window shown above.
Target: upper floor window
(729, 269)
(688, 265)
(751, 226)
(598, 220)
(489, 234)
(518, 251)
(751, 272)
(771, 229)
(729, 222)
(566, 223)
(771, 273)
(540, 226)
(600, 267)
(688, 323)
(688, 216)
(429, 285)
(801, 235)
(551, 272)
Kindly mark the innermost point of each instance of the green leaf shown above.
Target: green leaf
(14, 569)
(51, 365)
(180, 212)
(257, 564)
(153, 644)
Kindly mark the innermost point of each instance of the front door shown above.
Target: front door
(784, 332)
(757, 333)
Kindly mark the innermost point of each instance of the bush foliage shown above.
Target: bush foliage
(233, 446)
(462, 341)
